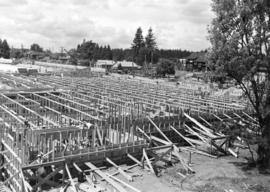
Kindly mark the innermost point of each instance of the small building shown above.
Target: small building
(105, 64)
(35, 55)
(126, 65)
(196, 61)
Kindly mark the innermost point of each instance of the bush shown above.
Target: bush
(165, 67)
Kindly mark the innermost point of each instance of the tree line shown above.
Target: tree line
(142, 50)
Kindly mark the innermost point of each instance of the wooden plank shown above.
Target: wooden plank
(121, 171)
(7, 163)
(160, 140)
(124, 183)
(107, 178)
(93, 187)
(160, 157)
(232, 152)
(43, 156)
(30, 110)
(160, 147)
(99, 136)
(182, 136)
(198, 152)
(185, 165)
(217, 117)
(70, 178)
(11, 177)
(11, 151)
(139, 129)
(208, 131)
(196, 134)
(77, 167)
(47, 177)
(249, 116)
(209, 124)
(226, 115)
(134, 159)
(148, 161)
(159, 130)
(26, 185)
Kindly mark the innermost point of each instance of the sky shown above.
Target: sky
(65, 23)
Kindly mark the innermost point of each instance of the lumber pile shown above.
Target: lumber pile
(204, 140)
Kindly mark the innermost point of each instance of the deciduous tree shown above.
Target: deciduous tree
(240, 38)
(165, 67)
(36, 47)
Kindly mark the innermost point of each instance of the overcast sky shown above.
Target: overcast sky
(55, 23)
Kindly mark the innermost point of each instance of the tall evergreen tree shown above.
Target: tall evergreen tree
(151, 46)
(150, 40)
(5, 49)
(138, 42)
(1, 49)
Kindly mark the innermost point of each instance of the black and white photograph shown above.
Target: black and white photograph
(134, 95)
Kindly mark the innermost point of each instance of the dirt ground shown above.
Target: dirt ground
(225, 174)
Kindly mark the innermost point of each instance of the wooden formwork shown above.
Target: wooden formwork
(151, 94)
(90, 120)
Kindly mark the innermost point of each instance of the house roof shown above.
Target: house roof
(128, 64)
(197, 56)
(105, 62)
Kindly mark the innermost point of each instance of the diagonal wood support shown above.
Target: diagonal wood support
(104, 176)
(121, 171)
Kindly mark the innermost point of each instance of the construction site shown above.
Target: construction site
(74, 133)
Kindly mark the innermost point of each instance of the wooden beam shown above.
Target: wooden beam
(124, 183)
(160, 140)
(134, 159)
(226, 115)
(121, 171)
(99, 136)
(47, 178)
(26, 185)
(177, 132)
(148, 161)
(11, 151)
(70, 178)
(140, 130)
(209, 131)
(209, 124)
(217, 117)
(185, 165)
(10, 177)
(160, 157)
(30, 110)
(159, 130)
(159, 147)
(249, 117)
(107, 178)
(93, 187)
